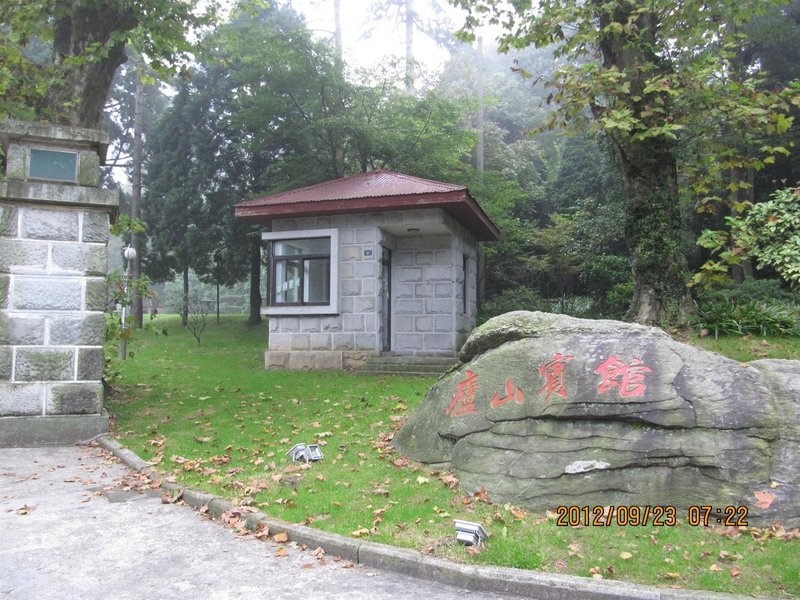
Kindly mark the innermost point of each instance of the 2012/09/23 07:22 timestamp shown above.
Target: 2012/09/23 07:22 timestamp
(658, 516)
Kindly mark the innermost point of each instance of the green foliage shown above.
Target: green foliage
(750, 290)
(769, 232)
(747, 317)
(520, 298)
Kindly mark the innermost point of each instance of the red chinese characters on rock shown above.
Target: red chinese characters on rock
(628, 379)
(553, 373)
(512, 393)
(463, 402)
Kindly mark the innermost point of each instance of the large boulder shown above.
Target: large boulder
(547, 410)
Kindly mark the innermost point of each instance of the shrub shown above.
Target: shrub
(520, 298)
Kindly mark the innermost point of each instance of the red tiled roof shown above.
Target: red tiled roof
(367, 192)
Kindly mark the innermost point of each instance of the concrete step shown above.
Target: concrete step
(408, 365)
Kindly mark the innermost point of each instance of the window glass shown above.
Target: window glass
(302, 246)
(53, 165)
(317, 287)
(287, 281)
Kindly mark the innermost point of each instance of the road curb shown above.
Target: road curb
(501, 580)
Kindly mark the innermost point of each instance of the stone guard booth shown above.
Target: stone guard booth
(54, 222)
(376, 263)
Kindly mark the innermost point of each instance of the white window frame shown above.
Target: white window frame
(332, 308)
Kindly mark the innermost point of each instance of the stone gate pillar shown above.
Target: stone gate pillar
(54, 222)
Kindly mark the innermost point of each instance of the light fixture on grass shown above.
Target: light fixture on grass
(308, 453)
(470, 534)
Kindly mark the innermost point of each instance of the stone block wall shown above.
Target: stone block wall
(52, 297)
(427, 292)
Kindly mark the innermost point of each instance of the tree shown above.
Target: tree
(87, 40)
(644, 72)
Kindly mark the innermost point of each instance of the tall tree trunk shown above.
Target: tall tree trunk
(136, 192)
(409, 78)
(88, 81)
(479, 82)
(255, 280)
(185, 301)
(654, 233)
(337, 31)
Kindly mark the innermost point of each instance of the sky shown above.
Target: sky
(370, 38)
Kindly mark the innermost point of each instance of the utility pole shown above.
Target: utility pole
(480, 124)
(136, 193)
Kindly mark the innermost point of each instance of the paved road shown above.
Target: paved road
(69, 528)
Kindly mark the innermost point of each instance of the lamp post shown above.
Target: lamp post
(130, 255)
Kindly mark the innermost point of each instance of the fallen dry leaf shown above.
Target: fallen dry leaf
(625, 555)
(764, 499)
(281, 537)
(360, 532)
(715, 567)
(735, 571)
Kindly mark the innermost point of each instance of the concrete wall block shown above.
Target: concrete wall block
(423, 258)
(353, 323)
(74, 399)
(8, 220)
(443, 290)
(402, 259)
(5, 329)
(342, 341)
(5, 281)
(346, 270)
(367, 235)
(439, 342)
(409, 275)
(89, 169)
(309, 324)
(364, 304)
(300, 341)
(371, 323)
(96, 294)
(369, 287)
(438, 306)
(90, 364)
(20, 399)
(40, 224)
(16, 253)
(288, 324)
(346, 304)
(443, 323)
(273, 324)
(408, 342)
(444, 257)
(87, 330)
(28, 331)
(95, 227)
(347, 236)
(279, 341)
(423, 324)
(403, 290)
(6, 358)
(351, 253)
(409, 307)
(403, 324)
(321, 341)
(276, 360)
(439, 274)
(329, 361)
(331, 324)
(351, 287)
(423, 290)
(16, 162)
(48, 293)
(44, 364)
(365, 341)
(84, 258)
(355, 360)
(301, 361)
(367, 268)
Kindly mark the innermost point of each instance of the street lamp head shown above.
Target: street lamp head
(129, 253)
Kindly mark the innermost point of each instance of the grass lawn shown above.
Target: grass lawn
(214, 419)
